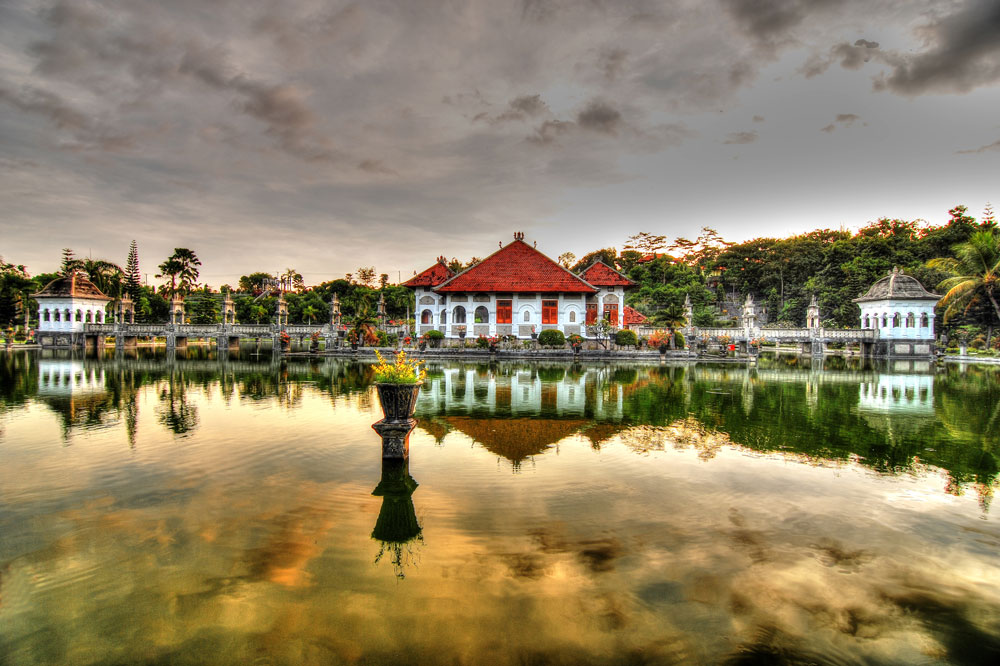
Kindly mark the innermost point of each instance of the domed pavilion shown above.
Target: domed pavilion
(65, 306)
(902, 312)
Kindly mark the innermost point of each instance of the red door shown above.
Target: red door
(591, 314)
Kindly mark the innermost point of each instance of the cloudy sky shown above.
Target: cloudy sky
(325, 135)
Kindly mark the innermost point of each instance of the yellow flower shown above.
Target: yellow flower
(402, 371)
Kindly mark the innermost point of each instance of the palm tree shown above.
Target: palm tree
(309, 312)
(672, 317)
(170, 268)
(975, 272)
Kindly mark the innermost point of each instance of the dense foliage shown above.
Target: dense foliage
(782, 274)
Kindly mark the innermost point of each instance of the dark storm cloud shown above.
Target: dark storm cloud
(600, 116)
(85, 133)
(771, 23)
(850, 56)
(963, 54)
(738, 138)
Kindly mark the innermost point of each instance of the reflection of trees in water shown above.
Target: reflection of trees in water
(176, 412)
(396, 528)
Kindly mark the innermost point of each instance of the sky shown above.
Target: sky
(324, 136)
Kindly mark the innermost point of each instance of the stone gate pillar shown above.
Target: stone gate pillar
(177, 309)
(228, 310)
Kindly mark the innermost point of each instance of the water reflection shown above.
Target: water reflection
(892, 421)
(790, 513)
(396, 529)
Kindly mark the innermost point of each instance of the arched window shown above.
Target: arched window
(89, 317)
(444, 317)
(100, 317)
(924, 320)
(79, 316)
(458, 316)
(885, 320)
(527, 316)
(910, 320)
(46, 315)
(868, 321)
(56, 313)
(482, 315)
(572, 316)
(426, 317)
(895, 320)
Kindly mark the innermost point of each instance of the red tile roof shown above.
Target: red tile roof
(600, 274)
(431, 277)
(633, 316)
(517, 267)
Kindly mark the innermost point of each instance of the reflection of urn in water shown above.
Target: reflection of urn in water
(396, 527)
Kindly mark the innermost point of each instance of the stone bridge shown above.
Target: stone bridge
(227, 336)
(810, 340)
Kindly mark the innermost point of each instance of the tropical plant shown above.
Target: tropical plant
(182, 269)
(400, 371)
(975, 273)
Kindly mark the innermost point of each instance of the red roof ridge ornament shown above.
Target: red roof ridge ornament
(519, 236)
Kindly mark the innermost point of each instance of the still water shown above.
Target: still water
(236, 511)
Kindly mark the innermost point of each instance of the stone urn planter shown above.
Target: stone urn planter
(398, 401)
(493, 349)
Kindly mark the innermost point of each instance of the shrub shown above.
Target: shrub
(679, 340)
(434, 334)
(551, 338)
(658, 339)
(482, 342)
(625, 338)
(575, 339)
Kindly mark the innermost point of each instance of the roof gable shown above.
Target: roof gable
(430, 277)
(633, 316)
(517, 267)
(600, 274)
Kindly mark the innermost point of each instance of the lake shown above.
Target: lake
(191, 510)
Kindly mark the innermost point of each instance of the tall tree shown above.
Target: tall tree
(567, 259)
(975, 273)
(366, 275)
(69, 262)
(645, 242)
(182, 269)
(133, 284)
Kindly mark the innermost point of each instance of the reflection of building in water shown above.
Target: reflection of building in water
(76, 391)
(897, 404)
(522, 392)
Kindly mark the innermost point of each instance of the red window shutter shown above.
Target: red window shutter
(611, 313)
(504, 312)
(591, 314)
(550, 312)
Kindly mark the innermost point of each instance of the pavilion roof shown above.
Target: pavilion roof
(517, 267)
(897, 286)
(74, 285)
(600, 274)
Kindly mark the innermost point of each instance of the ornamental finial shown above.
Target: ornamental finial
(519, 235)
